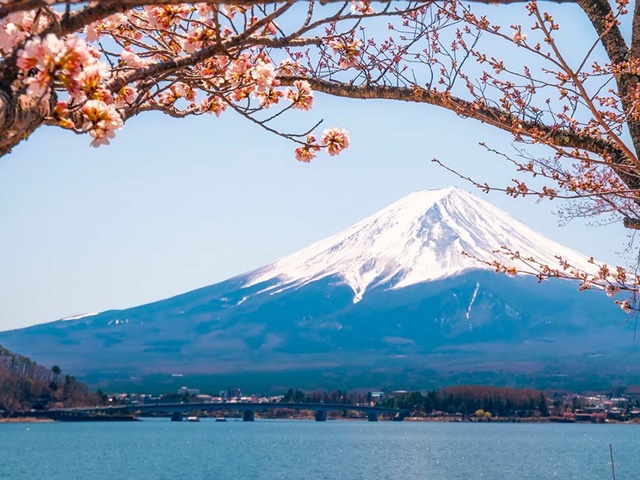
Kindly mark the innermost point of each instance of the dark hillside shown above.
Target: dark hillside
(24, 384)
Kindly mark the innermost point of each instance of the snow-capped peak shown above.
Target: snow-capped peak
(416, 239)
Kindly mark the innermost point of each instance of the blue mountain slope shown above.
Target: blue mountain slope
(393, 293)
(465, 321)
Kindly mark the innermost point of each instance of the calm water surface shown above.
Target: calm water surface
(290, 449)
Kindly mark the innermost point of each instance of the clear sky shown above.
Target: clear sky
(174, 205)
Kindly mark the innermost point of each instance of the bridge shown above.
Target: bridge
(248, 410)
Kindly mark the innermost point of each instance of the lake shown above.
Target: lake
(297, 449)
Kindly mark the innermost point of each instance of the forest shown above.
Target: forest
(26, 385)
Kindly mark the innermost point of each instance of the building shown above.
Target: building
(188, 392)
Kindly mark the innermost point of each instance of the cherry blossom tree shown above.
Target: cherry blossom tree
(571, 101)
(90, 66)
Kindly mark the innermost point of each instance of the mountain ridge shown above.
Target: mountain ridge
(391, 295)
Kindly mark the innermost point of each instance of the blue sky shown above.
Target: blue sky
(174, 205)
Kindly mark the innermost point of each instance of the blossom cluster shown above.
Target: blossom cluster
(16, 28)
(71, 64)
(99, 75)
(333, 139)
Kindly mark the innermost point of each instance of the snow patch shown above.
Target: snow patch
(473, 299)
(241, 301)
(78, 317)
(117, 321)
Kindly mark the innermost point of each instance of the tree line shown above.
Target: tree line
(467, 399)
(462, 399)
(333, 396)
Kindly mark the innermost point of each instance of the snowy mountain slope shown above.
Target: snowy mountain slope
(391, 297)
(417, 239)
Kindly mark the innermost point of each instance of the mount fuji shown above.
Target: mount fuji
(391, 300)
(420, 238)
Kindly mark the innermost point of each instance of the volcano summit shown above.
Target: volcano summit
(417, 239)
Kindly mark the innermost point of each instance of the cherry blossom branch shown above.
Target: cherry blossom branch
(476, 110)
(601, 16)
(200, 55)
(612, 280)
(631, 156)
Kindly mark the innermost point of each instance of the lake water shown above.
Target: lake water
(296, 449)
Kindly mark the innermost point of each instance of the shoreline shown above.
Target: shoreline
(410, 420)
(26, 420)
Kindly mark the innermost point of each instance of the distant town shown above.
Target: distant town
(32, 391)
(458, 403)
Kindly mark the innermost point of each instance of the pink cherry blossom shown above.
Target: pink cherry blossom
(131, 58)
(101, 121)
(98, 87)
(335, 140)
(213, 104)
(17, 27)
(164, 16)
(10, 35)
(94, 31)
(237, 69)
(56, 61)
(348, 51)
(204, 9)
(307, 152)
(518, 36)
(270, 29)
(89, 80)
(359, 6)
(126, 95)
(185, 91)
(198, 38)
(290, 67)
(302, 99)
(264, 74)
(270, 97)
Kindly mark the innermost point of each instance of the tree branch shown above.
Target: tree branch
(116, 6)
(482, 112)
(244, 40)
(601, 16)
(635, 32)
(538, 132)
(12, 6)
(631, 223)
(19, 116)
